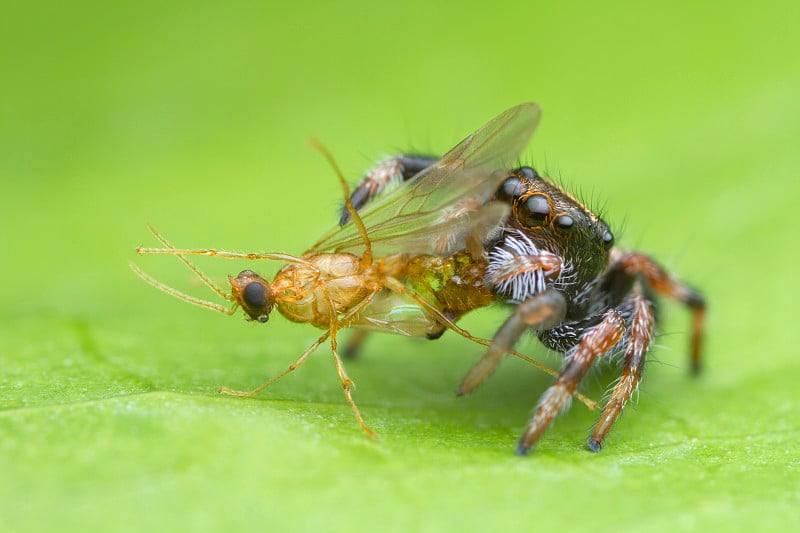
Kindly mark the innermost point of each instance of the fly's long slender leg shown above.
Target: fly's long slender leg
(633, 264)
(291, 368)
(398, 287)
(593, 343)
(393, 170)
(639, 336)
(542, 311)
(300, 360)
(181, 252)
(210, 252)
(366, 256)
(336, 323)
(348, 385)
(197, 272)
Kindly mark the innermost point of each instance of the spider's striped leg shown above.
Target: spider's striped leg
(633, 265)
(640, 333)
(542, 311)
(594, 342)
(393, 170)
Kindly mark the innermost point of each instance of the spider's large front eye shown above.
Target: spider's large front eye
(511, 189)
(534, 211)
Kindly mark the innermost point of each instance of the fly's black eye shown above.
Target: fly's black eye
(565, 223)
(534, 210)
(608, 239)
(511, 189)
(255, 296)
(528, 173)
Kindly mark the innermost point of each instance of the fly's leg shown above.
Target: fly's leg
(291, 368)
(347, 383)
(394, 170)
(398, 287)
(336, 324)
(211, 252)
(542, 311)
(199, 273)
(347, 386)
(640, 333)
(632, 265)
(170, 249)
(366, 256)
(594, 342)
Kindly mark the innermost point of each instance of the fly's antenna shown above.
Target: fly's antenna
(197, 272)
(180, 253)
(181, 296)
(366, 258)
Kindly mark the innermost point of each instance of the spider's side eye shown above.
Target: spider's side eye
(528, 173)
(511, 189)
(608, 239)
(565, 223)
(534, 210)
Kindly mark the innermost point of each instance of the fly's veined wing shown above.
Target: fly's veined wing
(446, 199)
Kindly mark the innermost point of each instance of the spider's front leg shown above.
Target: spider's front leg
(541, 311)
(594, 342)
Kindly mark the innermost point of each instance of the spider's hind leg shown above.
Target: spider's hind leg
(389, 171)
(633, 265)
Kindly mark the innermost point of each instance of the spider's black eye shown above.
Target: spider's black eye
(511, 189)
(528, 173)
(565, 223)
(608, 239)
(534, 210)
(254, 296)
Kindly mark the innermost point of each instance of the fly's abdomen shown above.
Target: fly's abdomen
(454, 283)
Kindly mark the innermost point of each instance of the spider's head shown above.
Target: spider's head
(556, 221)
(253, 294)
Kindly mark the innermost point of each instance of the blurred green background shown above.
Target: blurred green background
(681, 119)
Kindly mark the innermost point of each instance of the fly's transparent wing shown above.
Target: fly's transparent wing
(447, 201)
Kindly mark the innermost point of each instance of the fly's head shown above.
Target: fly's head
(253, 294)
(558, 223)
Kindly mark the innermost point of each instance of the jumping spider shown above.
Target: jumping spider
(584, 297)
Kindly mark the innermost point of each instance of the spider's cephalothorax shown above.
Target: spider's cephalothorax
(556, 261)
(546, 220)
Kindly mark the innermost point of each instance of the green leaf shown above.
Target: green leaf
(682, 122)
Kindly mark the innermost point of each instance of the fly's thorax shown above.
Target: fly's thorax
(304, 292)
(454, 283)
(558, 223)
